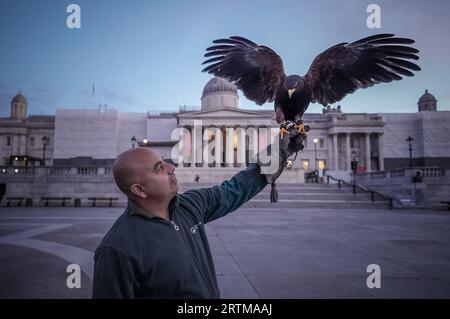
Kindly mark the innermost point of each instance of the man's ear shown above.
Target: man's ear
(138, 191)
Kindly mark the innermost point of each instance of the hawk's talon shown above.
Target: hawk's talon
(283, 132)
(301, 128)
(293, 128)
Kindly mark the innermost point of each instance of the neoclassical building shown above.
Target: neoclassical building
(25, 140)
(219, 138)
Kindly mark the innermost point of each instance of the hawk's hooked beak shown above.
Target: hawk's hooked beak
(290, 92)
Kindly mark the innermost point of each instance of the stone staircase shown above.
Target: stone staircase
(310, 196)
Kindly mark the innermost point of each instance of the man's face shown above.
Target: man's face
(157, 177)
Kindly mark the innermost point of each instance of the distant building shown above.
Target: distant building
(22, 137)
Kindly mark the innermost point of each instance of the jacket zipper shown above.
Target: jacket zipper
(177, 228)
(175, 225)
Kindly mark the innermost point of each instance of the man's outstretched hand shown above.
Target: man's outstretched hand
(291, 143)
(279, 152)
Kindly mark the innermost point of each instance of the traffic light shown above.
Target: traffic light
(354, 165)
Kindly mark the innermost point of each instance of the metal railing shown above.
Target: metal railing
(87, 170)
(17, 170)
(53, 170)
(433, 172)
(58, 170)
(362, 189)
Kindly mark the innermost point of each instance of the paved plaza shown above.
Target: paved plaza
(259, 252)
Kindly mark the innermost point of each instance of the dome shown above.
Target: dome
(427, 102)
(427, 97)
(218, 85)
(19, 98)
(219, 93)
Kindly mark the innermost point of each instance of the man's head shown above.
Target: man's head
(141, 174)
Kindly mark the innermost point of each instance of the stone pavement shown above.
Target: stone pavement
(259, 252)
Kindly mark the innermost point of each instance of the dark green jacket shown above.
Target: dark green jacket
(143, 257)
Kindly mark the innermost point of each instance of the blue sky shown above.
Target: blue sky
(146, 55)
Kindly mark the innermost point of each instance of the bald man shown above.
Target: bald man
(158, 247)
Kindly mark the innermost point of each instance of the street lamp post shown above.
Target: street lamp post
(315, 153)
(133, 141)
(45, 141)
(410, 140)
(354, 166)
(316, 173)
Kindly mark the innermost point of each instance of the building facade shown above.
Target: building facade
(26, 140)
(220, 138)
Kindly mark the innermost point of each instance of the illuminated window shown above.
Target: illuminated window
(305, 164)
(322, 164)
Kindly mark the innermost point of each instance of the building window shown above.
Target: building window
(352, 143)
(321, 143)
(305, 164)
(322, 165)
(31, 141)
(8, 141)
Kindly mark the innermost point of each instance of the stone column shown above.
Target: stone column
(263, 133)
(335, 153)
(229, 154)
(368, 168)
(253, 144)
(208, 146)
(241, 146)
(187, 149)
(347, 150)
(380, 152)
(218, 146)
(197, 143)
(330, 152)
(193, 144)
(23, 145)
(15, 144)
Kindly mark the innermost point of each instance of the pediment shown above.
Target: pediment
(226, 113)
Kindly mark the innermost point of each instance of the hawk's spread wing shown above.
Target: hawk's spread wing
(346, 67)
(256, 70)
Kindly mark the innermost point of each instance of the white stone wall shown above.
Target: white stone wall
(436, 133)
(398, 126)
(159, 129)
(129, 125)
(86, 133)
(430, 131)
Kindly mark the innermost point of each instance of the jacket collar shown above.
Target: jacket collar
(135, 209)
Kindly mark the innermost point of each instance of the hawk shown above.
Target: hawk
(258, 71)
